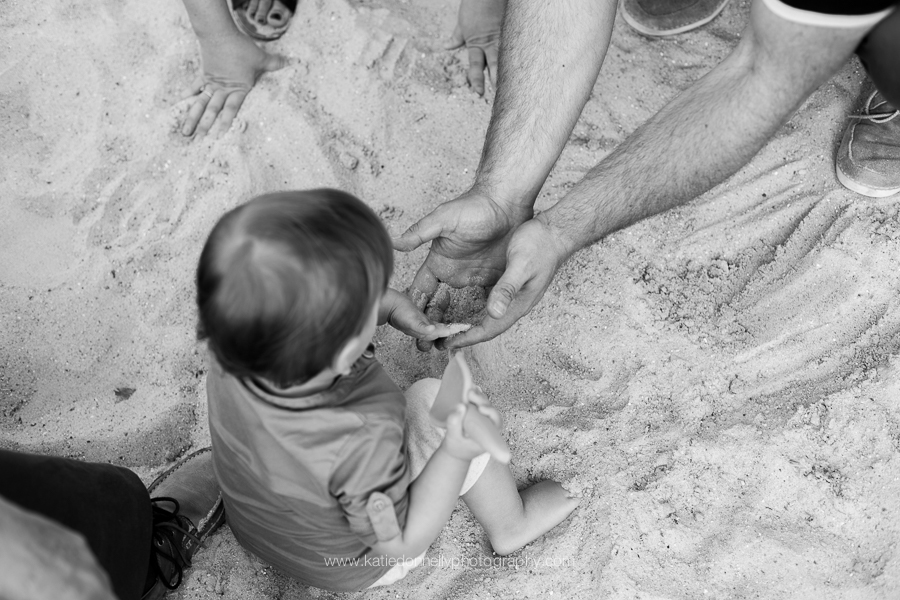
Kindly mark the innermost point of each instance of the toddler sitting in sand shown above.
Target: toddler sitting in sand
(305, 423)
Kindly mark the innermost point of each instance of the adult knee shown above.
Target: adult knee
(880, 54)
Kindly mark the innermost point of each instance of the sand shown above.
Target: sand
(718, 383)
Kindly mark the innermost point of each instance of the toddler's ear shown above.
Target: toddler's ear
(342, 363)
(348, 355)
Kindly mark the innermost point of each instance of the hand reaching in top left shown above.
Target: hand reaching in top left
(231, 66)
(478, 29)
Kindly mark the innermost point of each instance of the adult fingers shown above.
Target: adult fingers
(424, 230)
(488, 329)
(230, 110)
(421, 291)
(434, 311)
(213, 108)
(194, 88)
(492, 54)
(509, 301)
(507, 288)
(423, 287)
(194, 114)
(443, 330)
(274, 62)
(456, 40)
(476, 69)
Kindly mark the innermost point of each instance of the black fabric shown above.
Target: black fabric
(108, 505)
(838, 7)
(880, 54)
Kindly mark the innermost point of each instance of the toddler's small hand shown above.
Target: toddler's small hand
(403, 315)
(480, 400)
(456, 443)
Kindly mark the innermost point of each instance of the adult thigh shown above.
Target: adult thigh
(880, 53)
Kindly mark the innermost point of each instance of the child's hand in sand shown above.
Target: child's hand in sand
(478, 29)
(399, 312)
(231, 65)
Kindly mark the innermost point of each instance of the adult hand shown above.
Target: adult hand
(468, 238)
(42, 560)
(535, 253)
(231, 66)
(478, 29)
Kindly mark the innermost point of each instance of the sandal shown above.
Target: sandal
(277, 21)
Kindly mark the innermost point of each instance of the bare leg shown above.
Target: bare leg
(512, 518)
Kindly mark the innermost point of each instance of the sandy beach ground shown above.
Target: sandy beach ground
(720, 383)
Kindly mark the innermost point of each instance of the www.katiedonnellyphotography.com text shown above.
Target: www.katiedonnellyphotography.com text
(455, 562)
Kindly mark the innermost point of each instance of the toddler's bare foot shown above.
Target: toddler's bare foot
(546, 505)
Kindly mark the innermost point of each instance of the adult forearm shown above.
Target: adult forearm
(705, 134)
(210, 18)
(550, 55)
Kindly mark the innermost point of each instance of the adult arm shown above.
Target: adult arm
(551, 53)
(697, 141)
(232, 63)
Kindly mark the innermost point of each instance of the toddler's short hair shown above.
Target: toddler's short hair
(287, 279)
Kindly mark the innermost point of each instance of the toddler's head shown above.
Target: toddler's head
(288, 279)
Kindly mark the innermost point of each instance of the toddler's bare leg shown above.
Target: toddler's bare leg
(512, 518)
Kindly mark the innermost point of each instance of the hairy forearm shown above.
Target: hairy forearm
(432, 497)
(703, 136)
(550, 55)
(210, 19)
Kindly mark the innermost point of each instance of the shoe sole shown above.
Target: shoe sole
(640, 28)
(863, 189)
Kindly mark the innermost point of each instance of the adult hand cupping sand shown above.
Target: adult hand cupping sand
(478, 29)
(534, 255)
(468, 236)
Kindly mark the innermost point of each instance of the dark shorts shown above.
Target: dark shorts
(880, 49)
